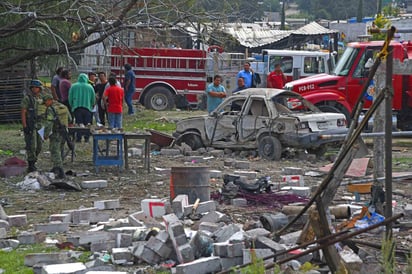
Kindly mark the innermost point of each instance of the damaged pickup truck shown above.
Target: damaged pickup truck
(262, 119)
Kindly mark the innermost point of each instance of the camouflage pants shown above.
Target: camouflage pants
(56, 147)
(33, 145)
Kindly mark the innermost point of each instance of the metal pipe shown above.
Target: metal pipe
(388, 141)
(368, 135)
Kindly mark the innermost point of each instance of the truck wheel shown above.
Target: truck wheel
(269, 148)
(192, 140)
(159, 98)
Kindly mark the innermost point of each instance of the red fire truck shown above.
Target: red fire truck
(339, 91)
(162, 74)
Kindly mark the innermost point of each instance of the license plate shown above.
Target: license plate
(323, 125)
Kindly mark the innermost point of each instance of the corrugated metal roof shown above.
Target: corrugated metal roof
(253, 35)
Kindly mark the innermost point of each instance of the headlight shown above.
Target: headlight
(341, 122)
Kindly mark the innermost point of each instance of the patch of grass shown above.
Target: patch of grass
(13, 261)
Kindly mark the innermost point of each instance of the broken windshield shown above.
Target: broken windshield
(345, 62)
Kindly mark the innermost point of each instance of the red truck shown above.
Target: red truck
(164, 73)
(339, 91)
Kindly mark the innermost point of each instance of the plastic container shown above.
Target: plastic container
(192, 181)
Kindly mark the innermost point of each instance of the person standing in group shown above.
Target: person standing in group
(276, 78)
(240, 85)
(113, 99)
(64, 87)
(31, 112)
(56, 121)
(129, 87)
(55, 84)
(93, 81)
(246, 74)
(99, 89)
(215, 93)
(82, 100)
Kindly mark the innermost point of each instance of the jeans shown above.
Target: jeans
(128, 99)
(85, 117)
(115, 120)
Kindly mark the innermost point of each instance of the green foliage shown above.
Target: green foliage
(13, 261)
(389, 10)
(388, 255)
(381, 22)
(148, 119)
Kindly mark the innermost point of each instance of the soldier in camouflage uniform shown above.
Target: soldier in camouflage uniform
(56, 120)
(32, 109)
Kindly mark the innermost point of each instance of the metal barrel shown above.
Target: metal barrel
(192, 181)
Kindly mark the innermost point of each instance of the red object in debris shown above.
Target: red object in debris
(14, 161)
(13, 167)
(161, 139)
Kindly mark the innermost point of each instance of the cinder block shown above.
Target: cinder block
(186, 253)
(242, 164)
(121, 255)
(4, 224)
(159, 247)
(124, 240)
(251, 175)
(215, 217)
(293, 171)
(203, 207)
(52, 227)
(94, 184)
(209, 226)
(256, 232)
(9, 243)
(231, 262)
(408, 210)
(3, 233)
(264, 242)
(290, 238)
(83, 215)
(201, 243)
(82, 238)
(107, 204)
(297, 190)
(178, 204)
(146, 254)
(228, 250)
(17, 220)
(51, 258)
(293, 180)
(224, 233)
(63, 268)
(34, 237)
(64, 218)
(260, 254)
(200, 266)
(153, 207)
(103, 246)
(239, 202)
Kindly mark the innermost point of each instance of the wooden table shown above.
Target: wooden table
(146, 149)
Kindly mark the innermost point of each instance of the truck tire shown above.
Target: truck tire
(269, 148)
(159, 98)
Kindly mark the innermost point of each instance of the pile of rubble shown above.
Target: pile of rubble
(181, 235)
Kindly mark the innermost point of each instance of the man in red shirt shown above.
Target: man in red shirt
(113, 99)
(276, 78)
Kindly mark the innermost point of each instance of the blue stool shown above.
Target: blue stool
(106, 157)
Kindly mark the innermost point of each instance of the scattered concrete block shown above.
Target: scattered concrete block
(107, 204)
(17, 220)
(290, 238)
(169, 151)
(224, 233)
(52, 227)
(34, 237)
(159, 247)
(3, 233)
(9, 243)
(230, 262)
(185, 253)
(153, 207)
(4, 224)
(64, 218)
(87, 237)
(239, 202)
(200, 266)
(103, 246)
(229, 163)
(83, 215)
(293, 171)
(264, 242)
(217, 153)
(178, 204)
(297, 190)
(99, 217)
(250, 175)
(201, 243)
(228, 250)
(293, 180)
(209, 226)
(257, 232)
(63, 268)
(145, 254)
(204, 207)
(121, 255)
(124, 240)
(242, 164)
(94, 184)
(352, 261)
(260, 254)
(139, 219)
(408, 210)
(51, 258)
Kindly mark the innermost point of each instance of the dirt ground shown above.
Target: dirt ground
(135, 184)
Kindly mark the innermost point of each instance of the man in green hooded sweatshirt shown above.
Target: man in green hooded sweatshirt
(81, 100)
